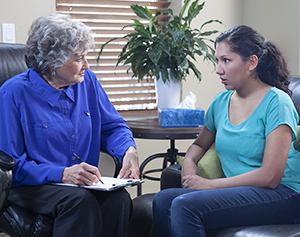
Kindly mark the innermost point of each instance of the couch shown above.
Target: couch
(141, 223)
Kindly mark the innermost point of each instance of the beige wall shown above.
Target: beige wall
(22, 13)
(277, 20)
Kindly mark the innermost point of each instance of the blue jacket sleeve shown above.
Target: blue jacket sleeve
(116, 136)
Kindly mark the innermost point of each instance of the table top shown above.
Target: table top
(149, 128)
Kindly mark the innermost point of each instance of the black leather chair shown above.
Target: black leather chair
(15, 220)
(6, 165)
(12, 61)
(141, 223)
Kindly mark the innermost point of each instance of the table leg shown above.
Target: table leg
(169, 156)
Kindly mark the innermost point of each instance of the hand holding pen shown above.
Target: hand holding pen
(81, 161)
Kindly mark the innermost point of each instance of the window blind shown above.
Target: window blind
(106, 19)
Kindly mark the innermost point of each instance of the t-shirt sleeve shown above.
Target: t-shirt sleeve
(209, 119)
(280, 111)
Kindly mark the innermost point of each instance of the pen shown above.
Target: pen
(80, 160)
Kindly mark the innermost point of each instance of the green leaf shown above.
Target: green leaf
(141, 12)
(196, 71)
(154, 55)
(137, 24)
(209, 22)
(167, 11)
(177, 36)
(102, 48)
(164, 74)
(202, 46)
(183, 9)
(194, 10)
(184, 65)
(208, 33)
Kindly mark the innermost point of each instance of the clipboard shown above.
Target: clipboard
(110, 184)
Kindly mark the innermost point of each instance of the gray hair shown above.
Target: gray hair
(53, 39)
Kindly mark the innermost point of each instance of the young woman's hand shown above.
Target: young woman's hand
(195, 182)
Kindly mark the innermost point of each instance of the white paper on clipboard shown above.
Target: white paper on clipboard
(109, 184)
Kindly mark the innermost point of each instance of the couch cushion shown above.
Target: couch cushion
(141, 220)
(297, 141)
(209, 165)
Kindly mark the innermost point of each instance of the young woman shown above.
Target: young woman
(253, 125)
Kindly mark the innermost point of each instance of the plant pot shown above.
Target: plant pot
(168, 94)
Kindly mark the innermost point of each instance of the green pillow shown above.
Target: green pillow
(209, 165)
(297, 141)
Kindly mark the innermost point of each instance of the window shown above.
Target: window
(106, 19)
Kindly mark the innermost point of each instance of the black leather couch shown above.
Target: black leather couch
(141, 223)
(15, 220)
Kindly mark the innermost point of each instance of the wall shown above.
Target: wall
(259, 14)
(277, 21)
(22, 13)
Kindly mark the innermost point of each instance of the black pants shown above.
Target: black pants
(77, 211)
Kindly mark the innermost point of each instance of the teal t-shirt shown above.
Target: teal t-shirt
(241, 147)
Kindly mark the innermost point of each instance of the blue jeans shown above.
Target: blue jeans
(187, 212)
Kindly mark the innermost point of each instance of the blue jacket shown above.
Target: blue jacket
(41, 127)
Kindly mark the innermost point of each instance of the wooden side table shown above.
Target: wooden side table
(150, 129)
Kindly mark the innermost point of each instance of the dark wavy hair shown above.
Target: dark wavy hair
(272, 67)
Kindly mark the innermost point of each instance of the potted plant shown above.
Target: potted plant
(162, 50)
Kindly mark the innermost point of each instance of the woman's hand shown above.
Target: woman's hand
(130, 168)
(195, 182)
(82, 174)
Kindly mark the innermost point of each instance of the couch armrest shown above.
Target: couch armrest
(171, 177)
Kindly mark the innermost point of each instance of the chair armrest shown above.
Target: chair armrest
(6, 164)
(17, 221)
(171, 177)
(118, 163)
(6, 161)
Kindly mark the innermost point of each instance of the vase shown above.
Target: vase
(168, 94)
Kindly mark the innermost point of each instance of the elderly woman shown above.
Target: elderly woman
(54, 109)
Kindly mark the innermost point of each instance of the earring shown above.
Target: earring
(53, 73)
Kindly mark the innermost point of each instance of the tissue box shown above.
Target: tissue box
(174, 118)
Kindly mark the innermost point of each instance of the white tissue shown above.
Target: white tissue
(188, 102)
